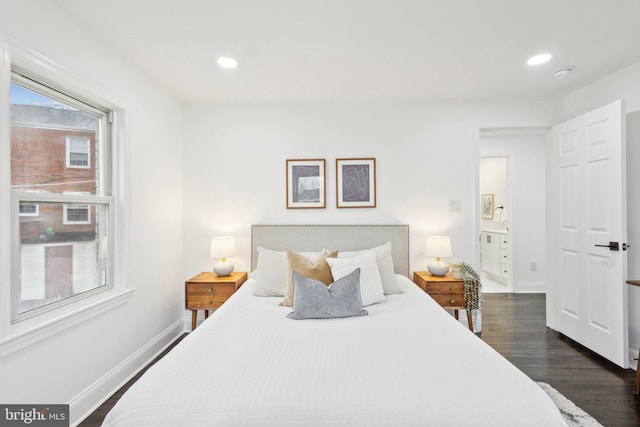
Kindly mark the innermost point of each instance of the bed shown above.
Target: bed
(407, 362)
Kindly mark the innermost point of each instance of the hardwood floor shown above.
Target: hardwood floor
(514, 324)
(97, 416)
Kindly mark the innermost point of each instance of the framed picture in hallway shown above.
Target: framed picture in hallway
(356, 183)
(306, 187)
(486, 207)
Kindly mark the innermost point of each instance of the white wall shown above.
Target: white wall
(526, 176)
(81, 364)
(493, 180)
(234, 167)
(625, 85)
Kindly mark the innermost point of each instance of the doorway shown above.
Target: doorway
(495, 263)
(522, 198)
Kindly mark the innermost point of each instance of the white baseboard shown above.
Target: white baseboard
(530, 288)
(496, 278)
(96, 394)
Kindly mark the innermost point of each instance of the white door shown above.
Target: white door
(585, 211)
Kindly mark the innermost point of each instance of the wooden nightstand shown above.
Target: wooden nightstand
(208, 291)
(446, 290)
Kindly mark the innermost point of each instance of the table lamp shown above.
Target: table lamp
(222, 248)
(438, 246)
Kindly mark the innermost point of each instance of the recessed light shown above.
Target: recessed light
(539, 59)
(226, 62)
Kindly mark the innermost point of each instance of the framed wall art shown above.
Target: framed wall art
(356, 183)
(306, 187)
(486, 206)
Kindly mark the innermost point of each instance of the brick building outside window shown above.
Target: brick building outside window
(55, 151)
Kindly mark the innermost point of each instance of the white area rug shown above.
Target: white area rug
(574, 416)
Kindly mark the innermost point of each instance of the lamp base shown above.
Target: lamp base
(438, 268)
(223, 268)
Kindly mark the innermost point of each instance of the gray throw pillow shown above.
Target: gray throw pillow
(312, 299)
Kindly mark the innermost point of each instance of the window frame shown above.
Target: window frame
(17, 336)
(102, 197)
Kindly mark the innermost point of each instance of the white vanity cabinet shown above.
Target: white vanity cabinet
(495, 255)
(504, 256)
(491, 253)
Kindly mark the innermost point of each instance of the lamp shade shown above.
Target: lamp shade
(438, 246)
(223, 247)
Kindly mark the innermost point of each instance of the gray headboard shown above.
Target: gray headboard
(341, 237)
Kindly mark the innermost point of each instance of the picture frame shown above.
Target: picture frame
(486, 206)
(306, 184)
(356, 183)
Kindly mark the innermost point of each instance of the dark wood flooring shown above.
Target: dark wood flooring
(514, 324)
(97, 416)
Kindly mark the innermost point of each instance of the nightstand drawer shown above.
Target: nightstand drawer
(444, 288)
(450, 300)
(205, 295)
(205, 302)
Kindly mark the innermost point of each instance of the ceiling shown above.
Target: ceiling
(345, 50)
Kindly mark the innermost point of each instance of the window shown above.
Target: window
(77, 152)
(60, 173)
(76, 214)
(28, 209)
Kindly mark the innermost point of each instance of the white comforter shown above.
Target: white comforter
(408, 363)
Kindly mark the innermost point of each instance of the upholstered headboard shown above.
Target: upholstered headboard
(341, 237)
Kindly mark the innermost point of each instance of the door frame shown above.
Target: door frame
(508, 128)
(508, 208)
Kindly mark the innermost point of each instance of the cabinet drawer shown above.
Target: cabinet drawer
(504, 269)
(450, 300)
(203, 295)
(205, 302)
(444, 288)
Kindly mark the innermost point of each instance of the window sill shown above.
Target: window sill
(21, 340)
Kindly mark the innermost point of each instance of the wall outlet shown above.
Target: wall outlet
(533, 266)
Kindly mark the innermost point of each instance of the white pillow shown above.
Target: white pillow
(385, 266)
(271, 271)
(370, 282)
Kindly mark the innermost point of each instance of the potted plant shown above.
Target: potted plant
(472, 286)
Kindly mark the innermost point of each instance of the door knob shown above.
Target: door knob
(613, 246)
